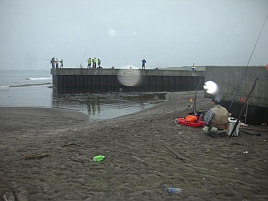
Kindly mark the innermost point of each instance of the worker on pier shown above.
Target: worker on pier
(143, 64)
(61, 63)
(52, 61)
(99, 63)
(57, 63)
(94, 62)
(89, 62)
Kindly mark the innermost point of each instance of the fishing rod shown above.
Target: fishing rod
(85, 53)
(43, 59)
(247, 65)
(194, 106)
(242, 110)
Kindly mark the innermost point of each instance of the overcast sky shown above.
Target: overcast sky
(167, 33)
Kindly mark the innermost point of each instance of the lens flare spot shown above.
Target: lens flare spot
(238, 31)
(210, 87)
(129, 77)
(111, 32)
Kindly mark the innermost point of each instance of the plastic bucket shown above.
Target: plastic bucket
(231, 125)
(200, 115)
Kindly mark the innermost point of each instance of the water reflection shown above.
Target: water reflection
(93, 107)
(101, 106)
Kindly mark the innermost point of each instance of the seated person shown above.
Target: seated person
(216, 119)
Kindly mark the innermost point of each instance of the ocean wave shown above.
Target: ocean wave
(3, 88)
(39, 78)
(30, 85)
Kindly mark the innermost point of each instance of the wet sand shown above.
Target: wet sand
(137, 165)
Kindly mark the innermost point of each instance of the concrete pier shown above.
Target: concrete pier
(104, 80)
(228, 78)
(235, 83)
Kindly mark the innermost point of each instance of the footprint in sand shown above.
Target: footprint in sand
(8, 196)
(22, 194)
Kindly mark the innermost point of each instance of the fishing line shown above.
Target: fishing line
(85, 52)
(42, 59)
(246, 114)
(195, 97)
(247, 64)
(46, 65)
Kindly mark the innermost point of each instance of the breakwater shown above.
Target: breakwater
(105, 80)
(66, 80)
(235, 83)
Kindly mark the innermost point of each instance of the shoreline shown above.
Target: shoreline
(137, 165)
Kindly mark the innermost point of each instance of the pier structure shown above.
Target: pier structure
(232, 90)
(128, 80)
(235, 83)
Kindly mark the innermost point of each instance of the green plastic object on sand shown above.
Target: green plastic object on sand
(98, 158)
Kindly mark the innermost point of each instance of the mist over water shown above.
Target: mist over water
(167, 33)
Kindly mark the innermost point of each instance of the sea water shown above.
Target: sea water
(33, 88)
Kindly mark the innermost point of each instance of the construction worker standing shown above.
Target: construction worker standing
(143, 64)
(57, 63)
(61, 63)
(52, 61)
(89, 62)
(193, 67)
(99, 63)
(94, 62)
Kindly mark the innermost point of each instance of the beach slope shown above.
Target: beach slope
(49, 152)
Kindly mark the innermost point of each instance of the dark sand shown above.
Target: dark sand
(138, 166)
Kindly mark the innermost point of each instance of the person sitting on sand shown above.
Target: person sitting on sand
(216, 119)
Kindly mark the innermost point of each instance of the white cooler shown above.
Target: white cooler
(231, 125)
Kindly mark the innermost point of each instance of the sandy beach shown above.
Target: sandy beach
(138, 164)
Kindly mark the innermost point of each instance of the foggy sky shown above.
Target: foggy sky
(167, 33)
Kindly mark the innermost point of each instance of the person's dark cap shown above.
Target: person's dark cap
(216, 99)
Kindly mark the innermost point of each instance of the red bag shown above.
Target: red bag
(190, 118)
